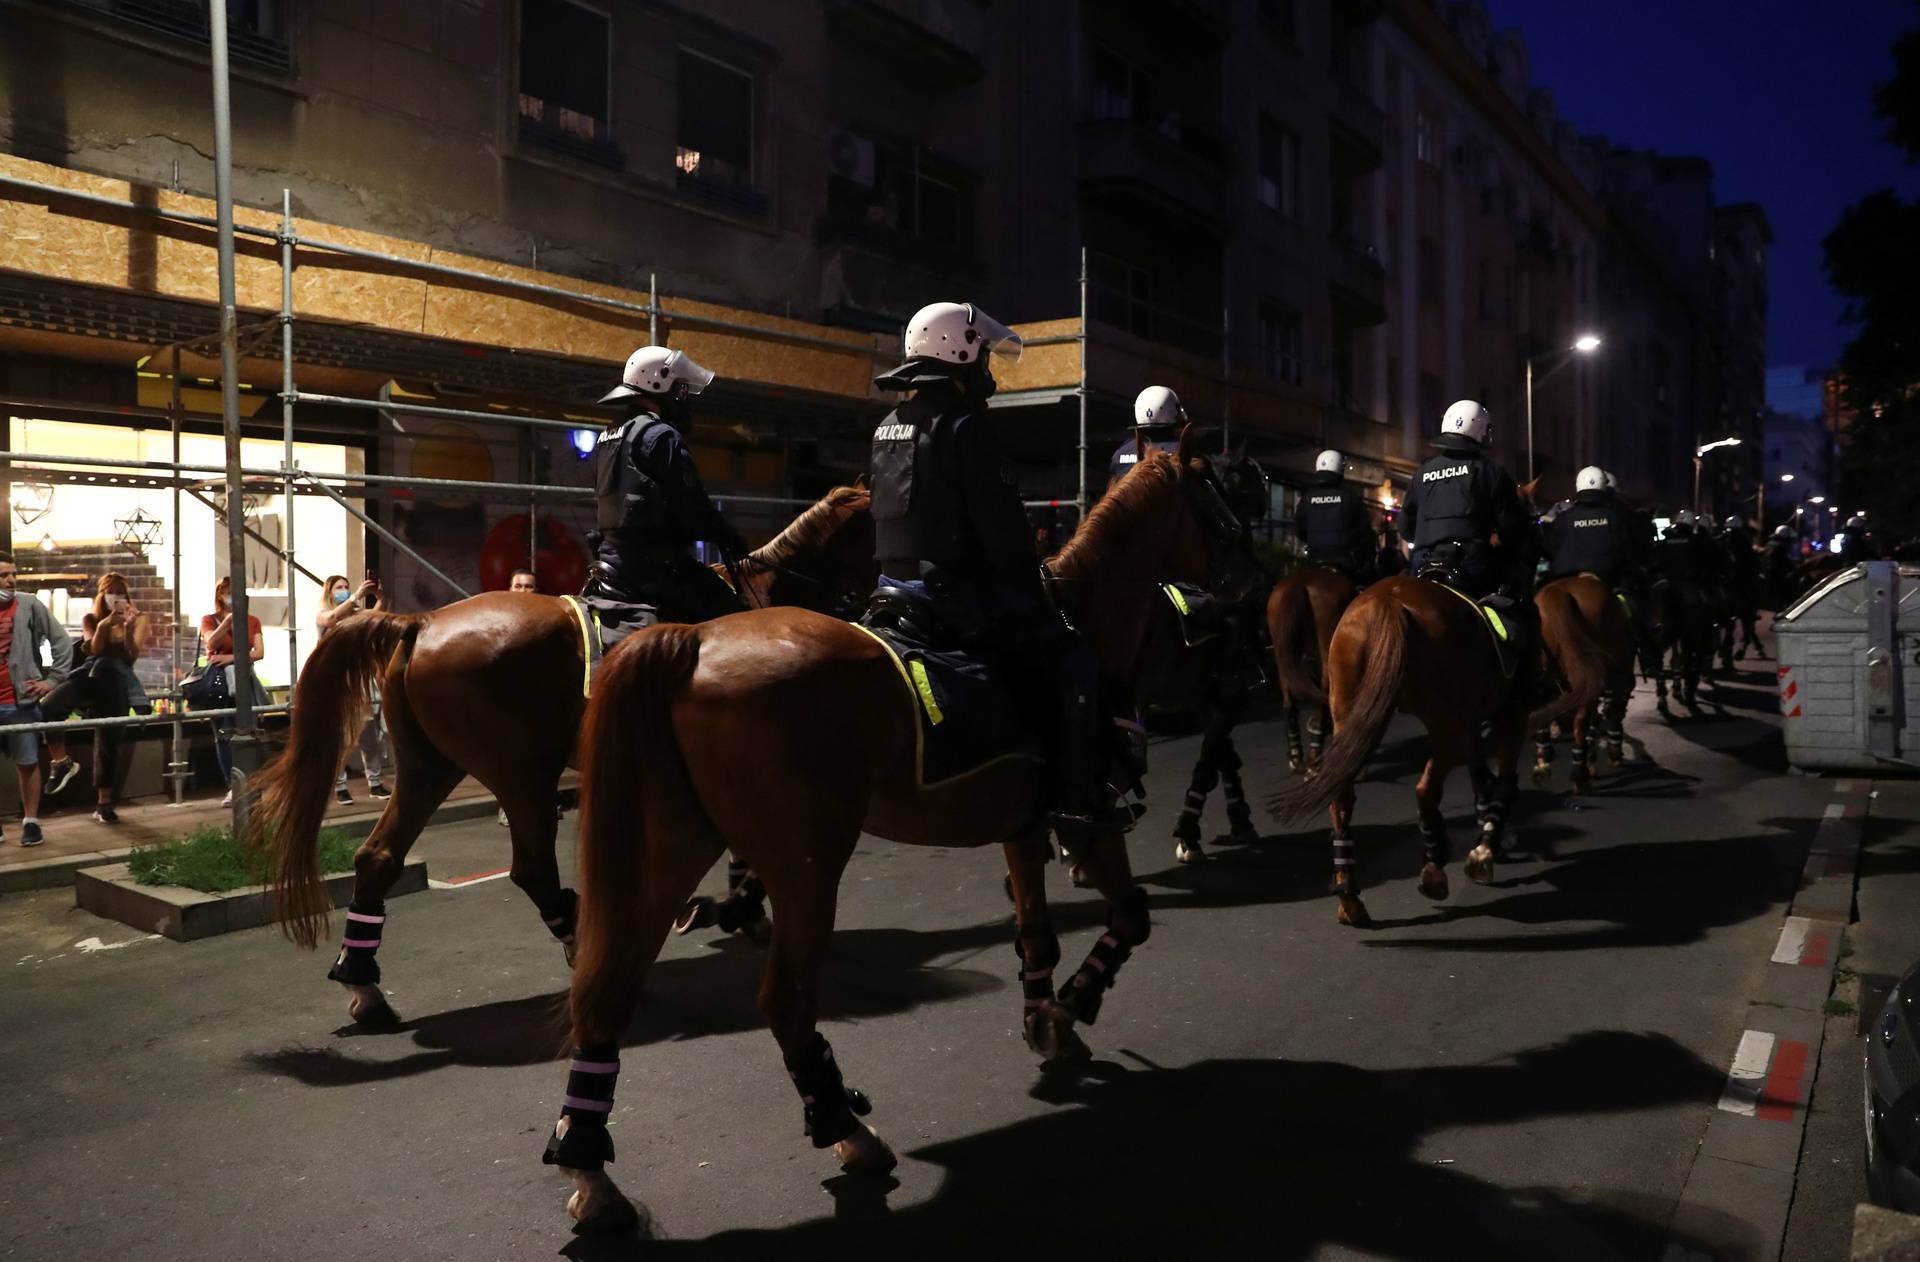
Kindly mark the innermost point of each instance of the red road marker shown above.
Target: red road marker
(1781, 1095)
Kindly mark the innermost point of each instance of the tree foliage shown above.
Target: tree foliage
(1873, 261)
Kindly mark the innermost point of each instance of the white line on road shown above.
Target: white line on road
(90, 945)
(1749, 1072)
(1793, 940)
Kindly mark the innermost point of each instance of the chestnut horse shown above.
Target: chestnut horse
(783, 735)
(1302, 613)
(1587, 637)
(492, 687)
(1414, 645)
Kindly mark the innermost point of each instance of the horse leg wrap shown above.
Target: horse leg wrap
(583, 1143)
(1316, 737)
(1084, 991)
(1342, 864)
(1543, 752)
(1493, 823)
(356, 965)
(1296, 748)
(828, 1104)
(1239, 814)
(1436, 847)
(1187, 827)
(561, 923)
(746, 900)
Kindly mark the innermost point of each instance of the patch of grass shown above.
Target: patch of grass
(1840, 1008)
(208, 859)
(1846, 946)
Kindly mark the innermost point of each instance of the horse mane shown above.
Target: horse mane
(808, 532)
(1101, 535)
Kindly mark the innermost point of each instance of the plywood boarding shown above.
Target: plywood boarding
(1053, 367)
(121, 250)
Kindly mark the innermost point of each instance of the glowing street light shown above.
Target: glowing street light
(1816, 499)
(1698, 452)
(1585, 344)
(1786, 477)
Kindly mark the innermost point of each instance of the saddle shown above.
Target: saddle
(968, 719)
(1504, 624)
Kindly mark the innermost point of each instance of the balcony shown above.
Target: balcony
(945, 41)
(1186, 172)
(571, 136)
(256, 34)
(1359, 283)
(1358, 128)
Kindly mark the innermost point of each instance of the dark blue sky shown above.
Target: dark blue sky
(1773, 92)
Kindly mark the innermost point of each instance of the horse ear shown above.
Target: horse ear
(860, 483)
(1187, 436)
(1528, 490)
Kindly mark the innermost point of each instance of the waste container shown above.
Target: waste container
(1848, 670)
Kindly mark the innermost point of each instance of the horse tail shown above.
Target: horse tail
(1582, 660)
(631, 766)
(1290, 623)
(1380, 651)
(329, 704)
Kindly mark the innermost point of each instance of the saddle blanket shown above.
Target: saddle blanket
(1503, 629)
(968, 719)
(594, 638)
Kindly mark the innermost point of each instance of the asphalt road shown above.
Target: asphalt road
(1523, 1071)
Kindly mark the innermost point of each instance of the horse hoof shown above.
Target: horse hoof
(1078, 875)
(597, 1207)
(1480, 864)
(368, 1007)
(864, 1152)
(699, 914)
(758, 931)
(1541, 771)
(1615, 754)
(1188, 852)
(1049, 1033)
(1582, 783)
(1433, 882)
(1296, 765)
(1353, 912)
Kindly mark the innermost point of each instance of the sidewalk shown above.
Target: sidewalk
(75, 839)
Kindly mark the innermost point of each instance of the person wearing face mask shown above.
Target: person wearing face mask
(216, 643)
(26, 628)
(342, 603)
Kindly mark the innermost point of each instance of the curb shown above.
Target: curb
(54, 873)
(1740, 1187)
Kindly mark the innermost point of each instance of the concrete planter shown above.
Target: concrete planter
(183, 914)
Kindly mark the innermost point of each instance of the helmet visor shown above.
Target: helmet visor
(681, 368)
(1002, 342)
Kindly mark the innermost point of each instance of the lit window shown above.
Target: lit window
(715, 128)
(563, 68)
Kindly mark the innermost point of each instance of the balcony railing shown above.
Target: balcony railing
(564, 132)
(256, 35)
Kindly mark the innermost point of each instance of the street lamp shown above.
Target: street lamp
(1585, 344)
(1700, 451)
(1761, 500)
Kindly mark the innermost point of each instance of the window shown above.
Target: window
(563, 78)
(1279, 187)
(1429, 265)
(1423, 148)
(1122, 293)
(1280, 340)
(714, 133)
(1119, 88)
(1430, 405)
(900, 187)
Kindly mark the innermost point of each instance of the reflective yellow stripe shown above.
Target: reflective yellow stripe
(1179, 601)
(1493, 619)
(924, 686)
(582, 615)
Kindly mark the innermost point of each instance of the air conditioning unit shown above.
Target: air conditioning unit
(850, 156)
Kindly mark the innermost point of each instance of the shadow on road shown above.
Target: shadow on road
(1641, 894)
(1253, 1158)
(871, 973)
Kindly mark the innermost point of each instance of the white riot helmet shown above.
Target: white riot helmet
(1330, 461)
(1857, 522)
(658, 371)
(1157, 407)
(959, 333)
(1591, 478)
(1783, 532)
(1467, 419)
(1732, 522)
(1684, 518)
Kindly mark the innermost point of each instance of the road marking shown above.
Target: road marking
(1782, 1093)
(1835, 810)
(460, 882)
(91, 945)
(1793, 940)
(1749, 1072)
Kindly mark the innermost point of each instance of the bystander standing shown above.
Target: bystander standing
(523, 581)
(116, 638)
(216, 645)
(341, 604)
(26, 628)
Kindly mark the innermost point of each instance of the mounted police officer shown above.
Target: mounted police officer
(650, 505)
(1457, 502)
(1592, 535)
(1157, 419)
(1782, 552)
(950, 525)
(1333, 522)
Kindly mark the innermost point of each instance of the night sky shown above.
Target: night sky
(1773, 92)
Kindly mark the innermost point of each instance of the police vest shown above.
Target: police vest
(626, 497)
(1328, 520)
(1126, 456)
(1590, 538)
(919, 509)
(1455, 500)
